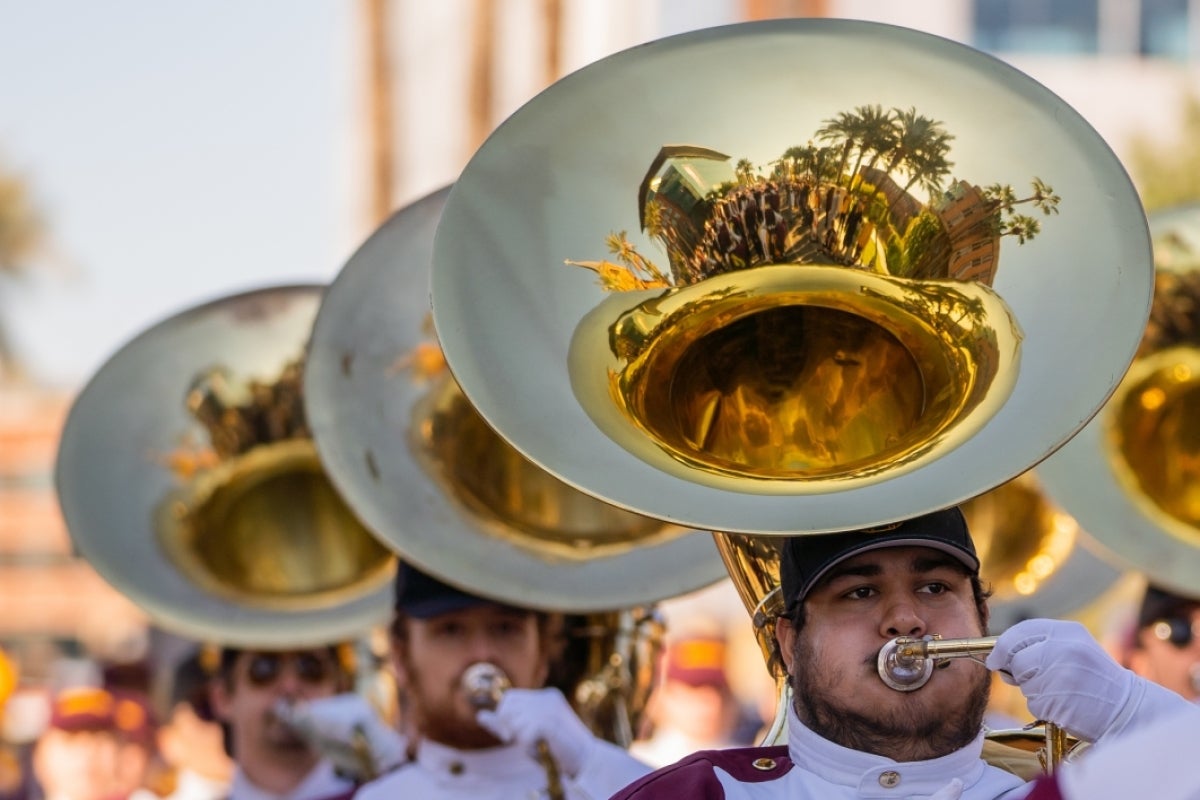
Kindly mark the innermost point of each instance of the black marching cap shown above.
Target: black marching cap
(807, 559)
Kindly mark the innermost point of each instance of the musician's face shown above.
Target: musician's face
(431, 659)
(1175, 666)
(246, 698)
(862, 604)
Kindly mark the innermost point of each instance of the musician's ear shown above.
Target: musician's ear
(398, 654)
(785, 635)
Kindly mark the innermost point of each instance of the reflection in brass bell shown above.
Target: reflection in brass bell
(804, 318)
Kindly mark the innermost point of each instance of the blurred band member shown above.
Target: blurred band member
(272, 762)
(76, 757)
(531, 745)
(1166, 647)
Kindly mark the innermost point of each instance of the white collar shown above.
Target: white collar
(320, 782)
(489, 764)
(865, 771)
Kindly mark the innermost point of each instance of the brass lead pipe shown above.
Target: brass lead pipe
(940, 649)
(906, 664)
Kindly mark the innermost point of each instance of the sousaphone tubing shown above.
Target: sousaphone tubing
(792, 276)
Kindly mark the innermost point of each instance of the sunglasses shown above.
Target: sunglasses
(265, 668)
(1176, 630)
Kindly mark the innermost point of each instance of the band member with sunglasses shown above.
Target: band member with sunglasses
(1166, 644)
(530, 744)
(850, 734)
(273, 762)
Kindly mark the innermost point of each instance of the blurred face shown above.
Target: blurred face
(704, 713)
(431, 659)
(862, 604)
(77, 765)
(1168, 653)
(257, 681)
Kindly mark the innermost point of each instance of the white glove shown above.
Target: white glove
(527, 716)
(1065, 675)
(1155, 759)
(951, 791)
(348, 731)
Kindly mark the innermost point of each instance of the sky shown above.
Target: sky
(181, 151)
(177, 151)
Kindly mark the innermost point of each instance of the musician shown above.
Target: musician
(850, 735)
(272, 761)
(460, 752)
(1166, 648)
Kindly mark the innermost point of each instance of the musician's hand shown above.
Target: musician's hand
(348, 731)
(532, 715)
(1065, 675)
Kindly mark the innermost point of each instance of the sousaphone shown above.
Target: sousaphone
(1132, 475)
(434, 482)
(189, 480)
(810, 284)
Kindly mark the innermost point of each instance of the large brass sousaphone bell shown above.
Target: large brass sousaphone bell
(821, 305)
(431, 479)
(1132, 476)
(189, 480)
(778, 278)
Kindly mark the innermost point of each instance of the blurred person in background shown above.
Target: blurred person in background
(14, 758)
(134, 726)
(1165, 646)
(190, 741)
(272, 760)
(75, 758)
(693, 708)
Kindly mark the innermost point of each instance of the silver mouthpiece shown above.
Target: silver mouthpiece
(900, 669)
(485, 684)
(906, 663)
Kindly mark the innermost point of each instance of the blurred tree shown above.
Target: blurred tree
(21, 235)
(1167, 173)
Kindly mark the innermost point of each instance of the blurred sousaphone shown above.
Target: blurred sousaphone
(836, 337)
(1132, 476)
(188, 479)
(428, 476)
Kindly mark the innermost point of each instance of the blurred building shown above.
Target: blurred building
(53, 606)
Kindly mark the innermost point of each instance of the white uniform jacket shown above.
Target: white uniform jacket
(321, 783)
(508, 772)
(813, 767)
